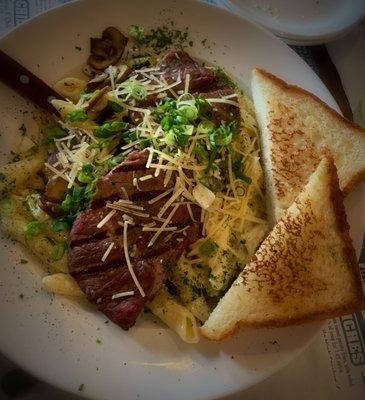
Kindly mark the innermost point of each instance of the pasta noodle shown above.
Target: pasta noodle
(62, 284)
(22, 173)
(189, 283)
(70, 88)
(175, 316)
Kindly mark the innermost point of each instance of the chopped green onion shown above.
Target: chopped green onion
(167, 123)
(109, 129)
(85, 176)
(190, 112)
(76, 115)
(202, 104)
(6, 206)
(237, 170)
(116, 107)
(222, 136)
(170, 138)
(182, 134)
(60, 225)
(186, 98)
(33, 228)
(76, 200)
(59, 251)
(180, 120)
(201, 151)
(205, 126)
(54, 132)
(138, 92)
(87, 95)
(114, 161)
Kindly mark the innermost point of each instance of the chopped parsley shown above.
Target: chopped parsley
(161, 38)
(208, 248)
(23, 130)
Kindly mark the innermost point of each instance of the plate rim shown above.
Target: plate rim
(301, 39)
(296, 352)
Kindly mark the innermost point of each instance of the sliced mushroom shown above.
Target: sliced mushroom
(107, 50)
(97, 96)
(123, 72)
(56, 190)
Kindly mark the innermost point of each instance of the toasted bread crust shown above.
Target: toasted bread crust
(337, 198)
(360, 176)
(340, 226)
(354, 180)
(298, 90)
(282, 323)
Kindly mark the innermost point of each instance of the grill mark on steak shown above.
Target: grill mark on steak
(85, 227)
(99, 289)
(88, 244)
(114, 185)
(87, 256)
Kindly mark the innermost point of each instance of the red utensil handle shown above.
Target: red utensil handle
(26, 83)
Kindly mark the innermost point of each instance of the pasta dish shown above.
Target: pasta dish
(146, 189)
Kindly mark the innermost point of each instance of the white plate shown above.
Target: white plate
(305, 22)
(55, 338)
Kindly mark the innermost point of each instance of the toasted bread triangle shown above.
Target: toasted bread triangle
(296, 128)
(305, 270)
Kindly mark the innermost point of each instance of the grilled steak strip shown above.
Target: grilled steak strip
(102, 277)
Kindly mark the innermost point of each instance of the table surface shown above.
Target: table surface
(310, 375)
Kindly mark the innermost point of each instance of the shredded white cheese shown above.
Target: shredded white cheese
(126, 255)
(163, 226)
(160, 196)
(107, 252)
(106, 219)
(122, 294)
(145, 178)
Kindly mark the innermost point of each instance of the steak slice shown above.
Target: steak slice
(124, 181)
(177, 64)
(85, 226)
(101, 280)
(88, 255)
(102, 276)
(222, 113)
(100, 288)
